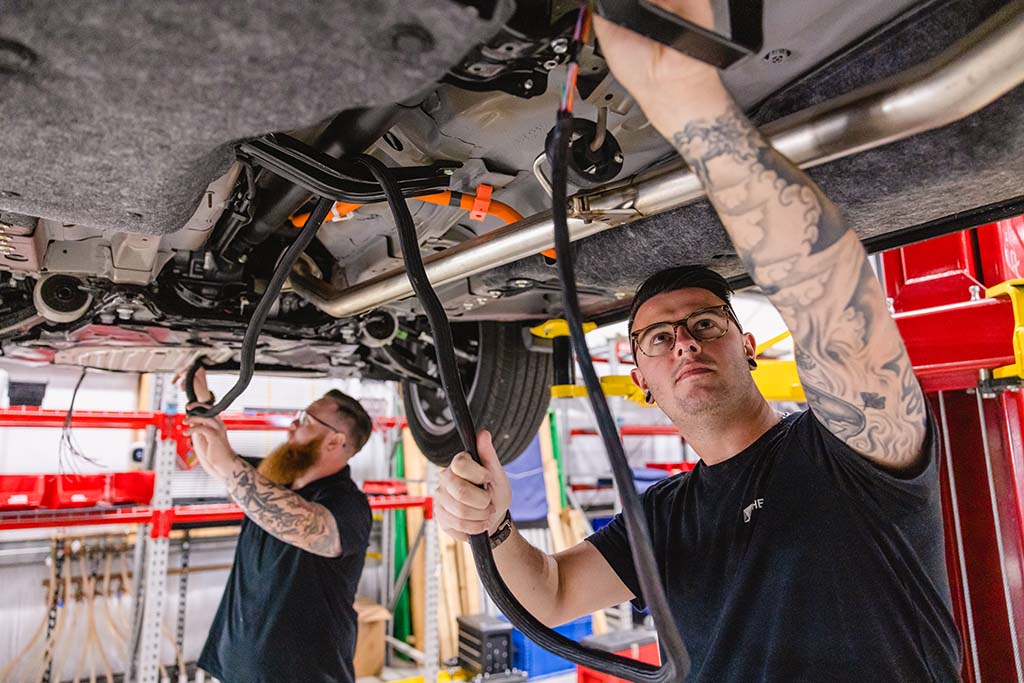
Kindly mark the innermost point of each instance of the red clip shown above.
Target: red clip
(161, 525)
(481, 203)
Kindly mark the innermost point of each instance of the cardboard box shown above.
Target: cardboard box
(369, 659)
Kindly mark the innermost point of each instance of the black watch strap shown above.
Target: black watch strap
(503, 531)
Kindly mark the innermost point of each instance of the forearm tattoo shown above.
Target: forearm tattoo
(796, 246)
(282, 513)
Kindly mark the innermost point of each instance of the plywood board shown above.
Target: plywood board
(416, 469)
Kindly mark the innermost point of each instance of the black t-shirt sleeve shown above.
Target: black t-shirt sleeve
(612, 540)
(870, 482)
(352, 513)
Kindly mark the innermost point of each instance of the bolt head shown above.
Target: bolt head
(778, 55)
(560, 46)
(494, 293)
(520, 284)
(528, 84)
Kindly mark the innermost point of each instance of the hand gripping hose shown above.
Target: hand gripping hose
(678, 661)
(247, 360)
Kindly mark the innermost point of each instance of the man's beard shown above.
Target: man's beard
(289, 461)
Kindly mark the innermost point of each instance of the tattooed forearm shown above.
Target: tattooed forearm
(283, 513)
(797, 248)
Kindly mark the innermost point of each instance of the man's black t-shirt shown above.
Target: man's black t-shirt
(799, 560)
(287, 614)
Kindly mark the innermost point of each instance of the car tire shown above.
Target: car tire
(508, 396)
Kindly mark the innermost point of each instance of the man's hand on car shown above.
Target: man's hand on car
(657, 76)
(472, 498)
(210, 441)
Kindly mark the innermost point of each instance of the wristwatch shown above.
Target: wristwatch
(503, 531)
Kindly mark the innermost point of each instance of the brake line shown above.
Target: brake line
(466, 202)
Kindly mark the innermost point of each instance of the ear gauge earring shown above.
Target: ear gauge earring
(648, 397)
(752, 363)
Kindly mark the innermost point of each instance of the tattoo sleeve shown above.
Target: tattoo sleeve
(282, 513)
(854, 368)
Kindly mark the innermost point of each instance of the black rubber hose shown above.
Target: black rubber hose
(632, 508)
(190, 379)
(247, 359)
(351, 131)
(448, 369)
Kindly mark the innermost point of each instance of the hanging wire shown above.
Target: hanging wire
(580, 36)
(69, 452)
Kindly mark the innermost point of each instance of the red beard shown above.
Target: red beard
(289, 461)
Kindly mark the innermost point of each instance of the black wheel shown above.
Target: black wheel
(508, 387)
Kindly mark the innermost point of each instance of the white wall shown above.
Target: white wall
(24, 450)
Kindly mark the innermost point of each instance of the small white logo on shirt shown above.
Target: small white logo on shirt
(749, 510)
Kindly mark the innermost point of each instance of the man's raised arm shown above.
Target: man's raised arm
(797, 248)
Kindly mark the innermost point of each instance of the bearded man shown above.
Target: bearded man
(287, 612)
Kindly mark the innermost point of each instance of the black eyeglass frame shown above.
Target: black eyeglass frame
(302, 414)
(684, 322)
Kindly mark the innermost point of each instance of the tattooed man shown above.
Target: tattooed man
(287, 612)
(804, 547)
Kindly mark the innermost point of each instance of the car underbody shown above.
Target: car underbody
(137, 237)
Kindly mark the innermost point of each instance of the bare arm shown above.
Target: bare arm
(561, 587)
(795, 245)
(853, 365)
(278, 510)
(282, 513)
(472, 498)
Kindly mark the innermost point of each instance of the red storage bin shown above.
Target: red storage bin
(131, 487)
(74, 490)
(643, 648)
(21, 491)
(385, 487)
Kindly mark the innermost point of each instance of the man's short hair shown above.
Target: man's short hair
(357, 422)
(680, 277)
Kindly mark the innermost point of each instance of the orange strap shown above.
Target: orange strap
(481, 203)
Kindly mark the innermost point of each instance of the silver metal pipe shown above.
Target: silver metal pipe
(975, 71)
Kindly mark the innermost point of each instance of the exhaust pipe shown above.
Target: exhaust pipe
(974, 72)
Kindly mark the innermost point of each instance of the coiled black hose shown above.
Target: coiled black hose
(678, 661)
(247, 359)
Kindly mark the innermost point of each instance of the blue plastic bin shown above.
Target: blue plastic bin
(536, 661)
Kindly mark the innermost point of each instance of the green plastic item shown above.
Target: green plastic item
(402, 619)
(556, 453)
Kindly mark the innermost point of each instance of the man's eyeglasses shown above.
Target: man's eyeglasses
(702, 325)
(303, 417)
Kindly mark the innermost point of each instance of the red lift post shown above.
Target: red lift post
(958, 325)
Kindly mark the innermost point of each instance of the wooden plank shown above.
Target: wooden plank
(450, 599)
(444, 632)
(552, 480)
(416, 468)
(469, 580)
